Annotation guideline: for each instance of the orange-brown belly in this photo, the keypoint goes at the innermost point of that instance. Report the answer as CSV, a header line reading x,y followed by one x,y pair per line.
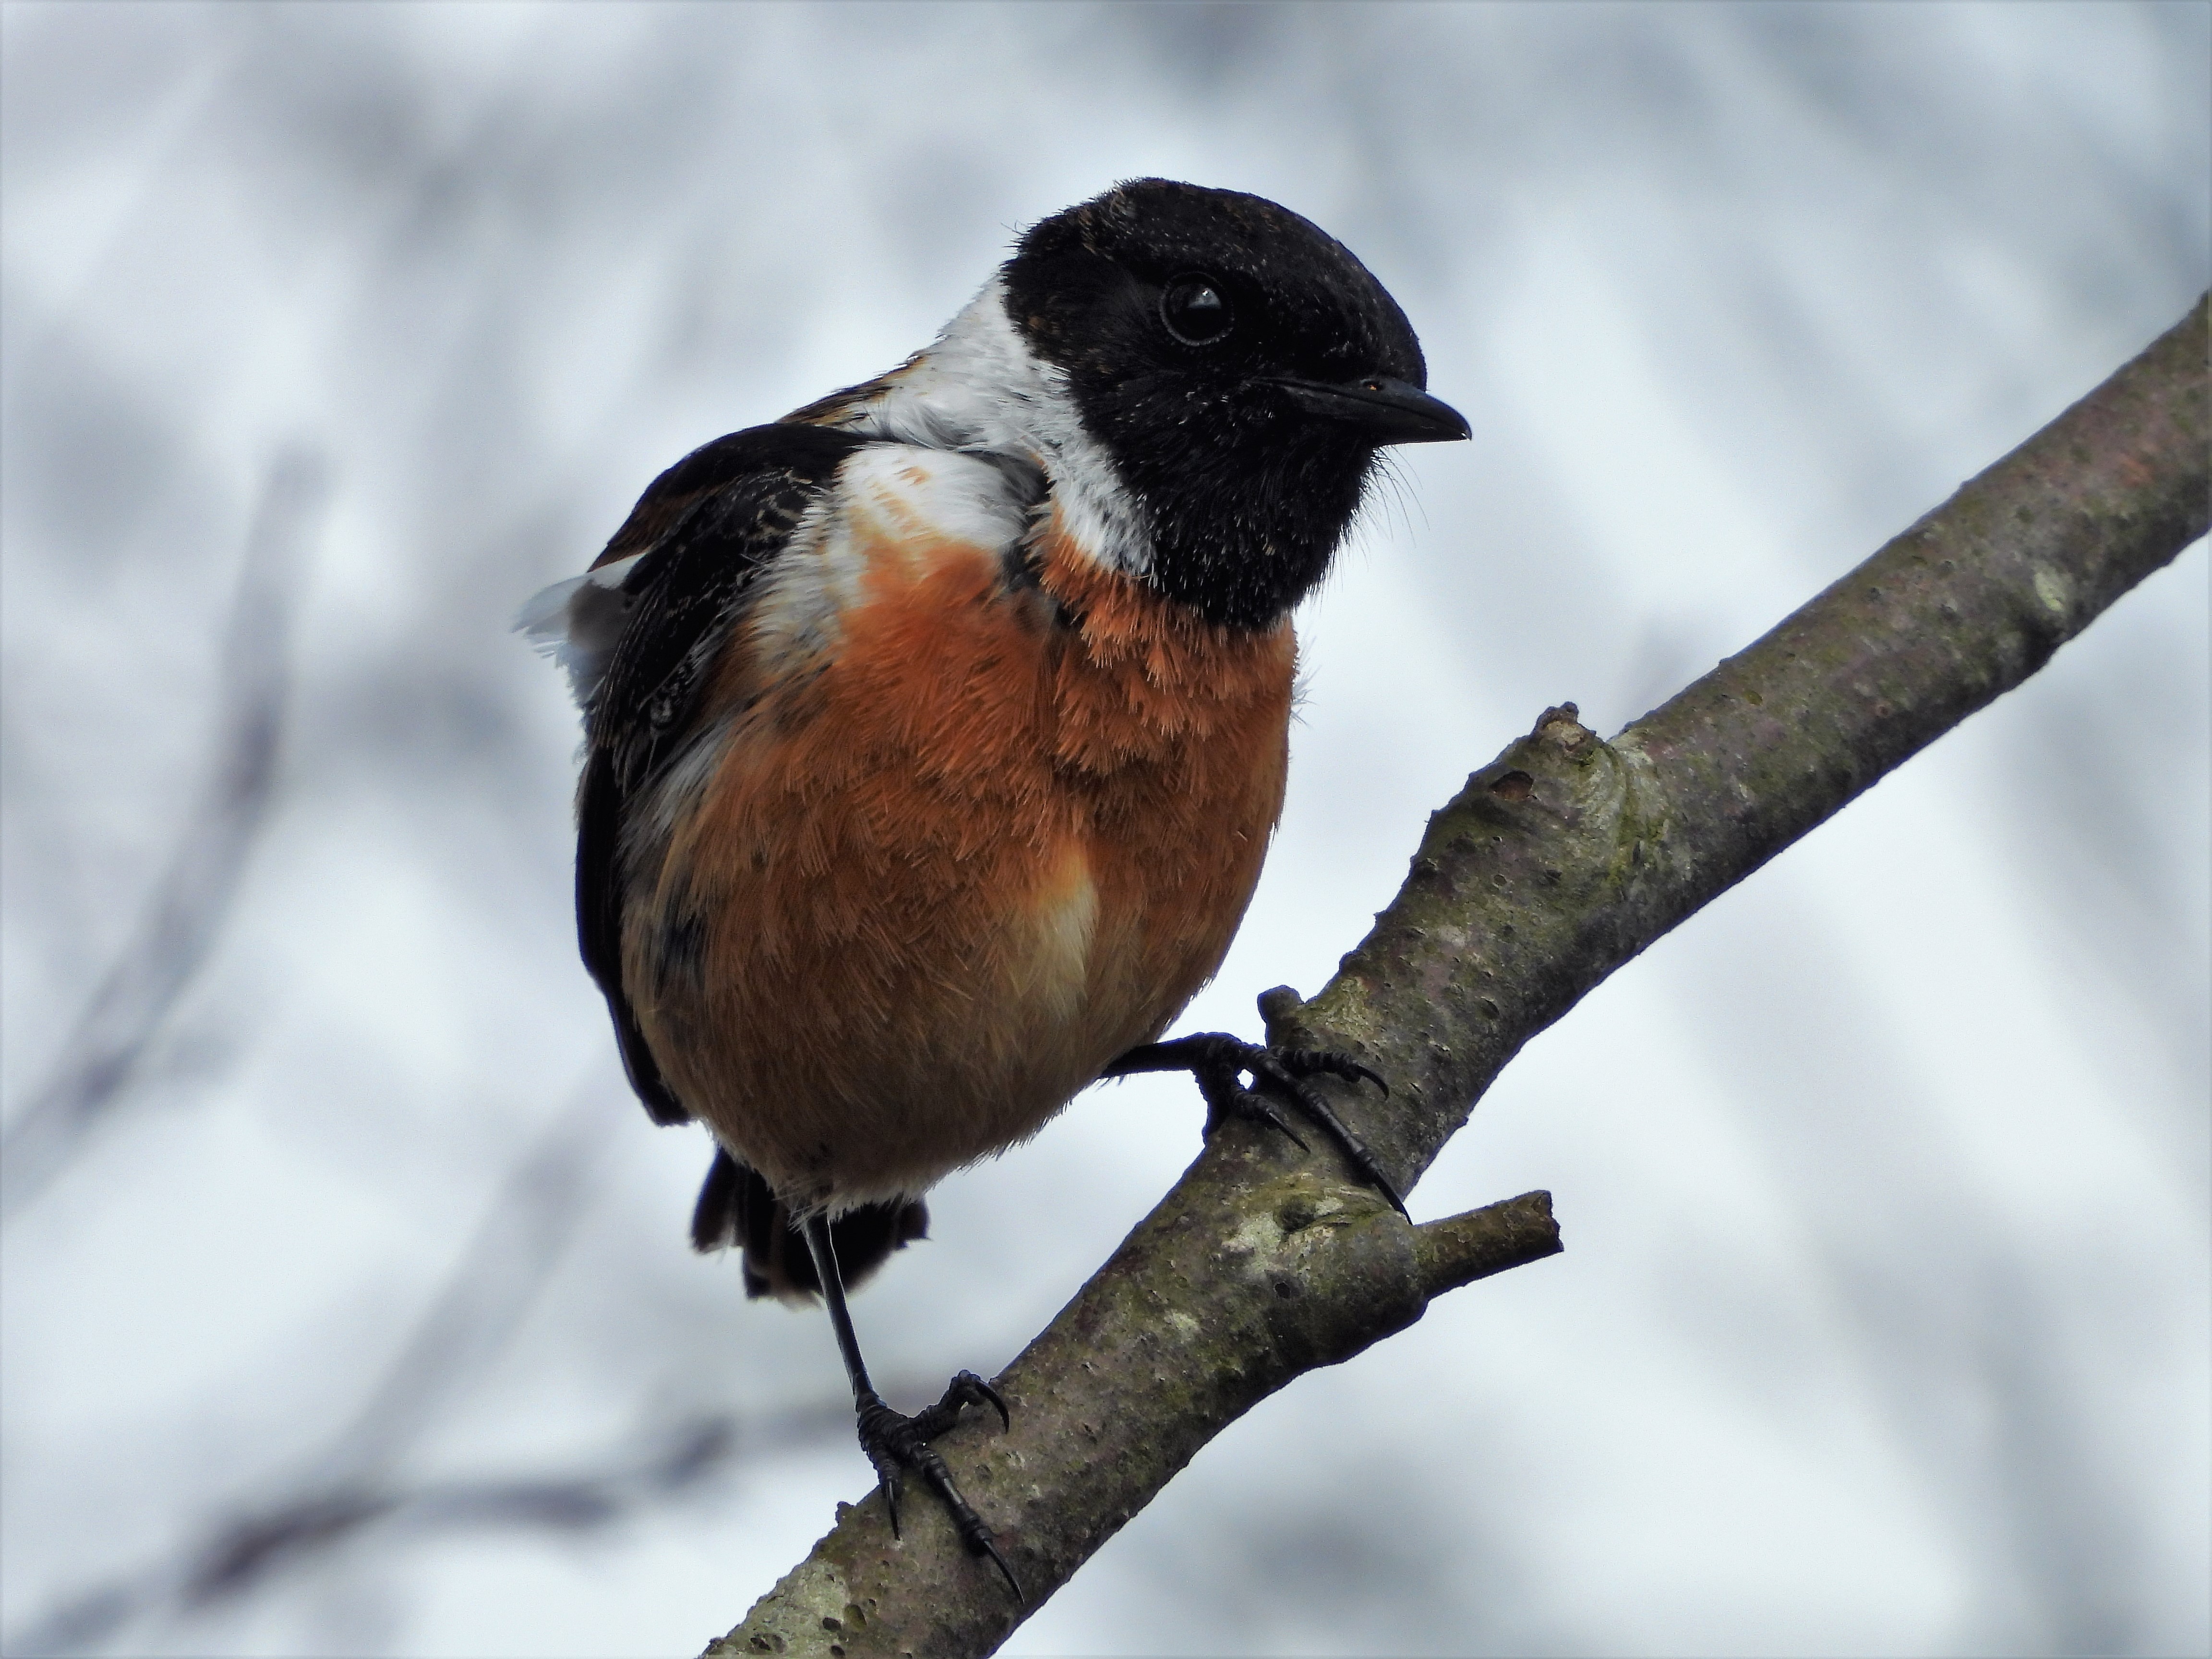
x,y
933,884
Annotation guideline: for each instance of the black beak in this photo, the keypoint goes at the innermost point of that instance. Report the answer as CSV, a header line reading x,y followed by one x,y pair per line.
x,y
1386,411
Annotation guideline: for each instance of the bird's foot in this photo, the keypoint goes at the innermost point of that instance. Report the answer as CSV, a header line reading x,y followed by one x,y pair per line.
x,y
895,1443
1218,1060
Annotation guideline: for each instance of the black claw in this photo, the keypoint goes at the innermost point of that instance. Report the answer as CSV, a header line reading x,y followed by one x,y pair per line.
x,y
1262,1109
1353,1069
1305,1063
1355,1150
1215,1060
986,1395
894,1441
1230,1098
991,1549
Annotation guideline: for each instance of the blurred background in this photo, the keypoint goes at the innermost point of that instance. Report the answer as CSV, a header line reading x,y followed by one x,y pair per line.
x,y
347,1308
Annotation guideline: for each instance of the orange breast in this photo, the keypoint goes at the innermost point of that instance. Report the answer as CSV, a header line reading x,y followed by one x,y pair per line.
x,y
986,839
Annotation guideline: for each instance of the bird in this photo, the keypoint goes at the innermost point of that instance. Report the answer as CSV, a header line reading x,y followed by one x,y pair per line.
x,y
935,733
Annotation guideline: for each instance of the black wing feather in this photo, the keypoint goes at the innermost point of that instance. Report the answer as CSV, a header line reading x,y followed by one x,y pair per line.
x,y
707,526
599,931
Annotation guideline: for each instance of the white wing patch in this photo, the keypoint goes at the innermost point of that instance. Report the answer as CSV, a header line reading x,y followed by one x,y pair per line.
x,y
890,499
577,622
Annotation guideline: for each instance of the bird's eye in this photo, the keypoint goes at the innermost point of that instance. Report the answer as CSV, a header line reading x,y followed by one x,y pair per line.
x,y
1193,310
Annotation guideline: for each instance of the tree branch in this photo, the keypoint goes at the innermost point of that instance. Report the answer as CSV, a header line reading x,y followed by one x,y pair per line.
x,y
1557,863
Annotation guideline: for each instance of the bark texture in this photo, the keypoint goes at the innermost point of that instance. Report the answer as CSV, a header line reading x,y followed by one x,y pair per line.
x,y
1557,863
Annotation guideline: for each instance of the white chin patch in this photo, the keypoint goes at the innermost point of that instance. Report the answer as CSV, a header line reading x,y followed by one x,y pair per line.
x,y
577,623
981,388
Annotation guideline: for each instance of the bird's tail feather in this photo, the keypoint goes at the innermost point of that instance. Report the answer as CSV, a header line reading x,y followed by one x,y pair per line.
x,y
737,1207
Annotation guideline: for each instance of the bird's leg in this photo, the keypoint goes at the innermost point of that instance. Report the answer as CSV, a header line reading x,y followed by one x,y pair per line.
x,y
1216,1060
894,1442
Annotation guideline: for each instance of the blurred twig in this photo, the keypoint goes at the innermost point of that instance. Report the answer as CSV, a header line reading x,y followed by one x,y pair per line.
x,y
253,1552
500,1273
185,914
351,1483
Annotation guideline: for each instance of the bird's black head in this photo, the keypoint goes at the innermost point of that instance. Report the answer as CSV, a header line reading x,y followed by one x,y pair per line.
x,y
1239,367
